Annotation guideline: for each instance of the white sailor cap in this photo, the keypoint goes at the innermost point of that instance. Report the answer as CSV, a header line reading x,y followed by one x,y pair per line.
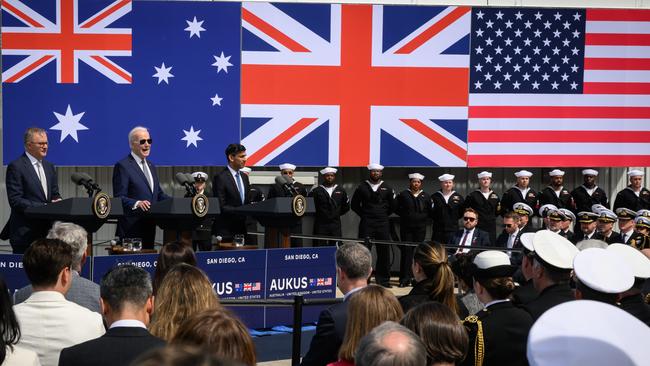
x,y
200,176
590,172
446,177
643,212
416,176
246,170
642,221
556,173
522,209
591,243
492,264
374,166
635,173
554,249
596,208
568,214
603,271
544,210
607,216
633,258
484,174
526,240
287,166
586,332
328,170
523,173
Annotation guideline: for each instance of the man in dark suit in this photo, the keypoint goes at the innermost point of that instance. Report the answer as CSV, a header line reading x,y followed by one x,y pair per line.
x,y
353,268
509,238
31,182
127,303
231,187
136,183
470,236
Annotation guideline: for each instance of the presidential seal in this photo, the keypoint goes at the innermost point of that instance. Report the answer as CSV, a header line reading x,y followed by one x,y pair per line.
x,y
299,205
101,205
200,205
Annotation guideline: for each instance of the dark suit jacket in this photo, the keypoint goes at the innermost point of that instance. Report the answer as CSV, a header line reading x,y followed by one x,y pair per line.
x,y
119,346
549,297
225,189
502,240
479,238
325,344
130,185
23,191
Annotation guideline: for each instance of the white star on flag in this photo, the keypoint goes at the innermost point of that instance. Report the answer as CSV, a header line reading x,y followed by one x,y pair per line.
x,y
222,62
192,137
69,124
163,73
194,27
216,100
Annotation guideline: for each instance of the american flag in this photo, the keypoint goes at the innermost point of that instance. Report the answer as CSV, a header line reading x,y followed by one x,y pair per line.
x,y
328,281
559,87
257,286
347,85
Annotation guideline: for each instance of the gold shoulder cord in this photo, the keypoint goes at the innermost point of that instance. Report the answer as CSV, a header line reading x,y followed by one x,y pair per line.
x,y
479,344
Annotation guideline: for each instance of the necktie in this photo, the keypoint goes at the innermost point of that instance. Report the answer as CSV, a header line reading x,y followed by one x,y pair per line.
x,y
240,187
41,177
147,174
462,242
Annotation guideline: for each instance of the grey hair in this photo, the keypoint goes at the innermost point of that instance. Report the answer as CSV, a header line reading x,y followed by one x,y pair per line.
x,y
30,132
373,350
134,130
73,235
354,259
125,284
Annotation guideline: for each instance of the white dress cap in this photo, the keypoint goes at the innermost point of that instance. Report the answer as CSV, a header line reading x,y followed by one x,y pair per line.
x,y
585,332
526,240
643,212
491,258
591,243
590,172
554,249
484,174
328,170
374,166
200,176
246,170
546,208
635,173
288,166
596,208
446,177
522,209
523,173
568,214
633,258
416,176
556,173
603,271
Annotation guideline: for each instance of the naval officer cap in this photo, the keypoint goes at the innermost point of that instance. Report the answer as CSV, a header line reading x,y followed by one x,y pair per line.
x,y
556,173
544,210
591,243
554,249
526,240
446,177
492,264
586,332
568,214
416,176
522,209
523,173
484,174
635,173
643,212
607,216
603,271
633,258
596,208
590,172
587,217
642,221
287,166
556,215
328,170
199,176
624,213
374,166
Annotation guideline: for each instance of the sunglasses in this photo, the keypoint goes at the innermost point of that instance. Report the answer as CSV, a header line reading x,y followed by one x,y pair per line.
x,y
470,219
508,225
149,141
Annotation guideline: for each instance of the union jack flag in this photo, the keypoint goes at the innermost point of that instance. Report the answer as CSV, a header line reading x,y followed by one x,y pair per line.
x,y
346,85
248,287
320,282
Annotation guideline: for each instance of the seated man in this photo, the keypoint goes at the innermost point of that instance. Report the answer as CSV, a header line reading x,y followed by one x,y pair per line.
x,y
48,322
391,344
127,302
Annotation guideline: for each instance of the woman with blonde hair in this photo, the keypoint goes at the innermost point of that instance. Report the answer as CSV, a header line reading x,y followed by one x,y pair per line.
x,y
435,279
368,308
184,291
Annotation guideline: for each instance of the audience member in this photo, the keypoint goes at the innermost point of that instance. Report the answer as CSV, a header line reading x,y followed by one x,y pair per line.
x,y
184,291
10,354
525,292
353,268
82,291
462,268
170,255
220,332
181,355
601,275
127,302
49,322
370,307
632,299
390,344
439,328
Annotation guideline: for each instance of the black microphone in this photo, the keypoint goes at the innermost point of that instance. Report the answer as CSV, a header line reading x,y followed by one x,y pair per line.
x,y
182,179
286,183
83,179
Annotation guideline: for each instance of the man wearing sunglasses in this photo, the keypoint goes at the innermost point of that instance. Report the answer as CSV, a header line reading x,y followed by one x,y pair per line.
x,y
470,235
135,182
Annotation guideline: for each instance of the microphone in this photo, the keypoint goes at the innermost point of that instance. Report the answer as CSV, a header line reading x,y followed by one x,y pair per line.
x,y
182,179
286,183
83,179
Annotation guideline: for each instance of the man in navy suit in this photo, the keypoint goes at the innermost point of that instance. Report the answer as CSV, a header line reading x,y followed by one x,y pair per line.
x,y
470,235
135,182
31,182
231,187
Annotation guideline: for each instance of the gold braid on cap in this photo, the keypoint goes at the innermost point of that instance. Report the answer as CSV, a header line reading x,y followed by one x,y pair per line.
x,y
479,344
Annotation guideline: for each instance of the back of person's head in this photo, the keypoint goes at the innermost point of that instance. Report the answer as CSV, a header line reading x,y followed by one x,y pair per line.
x,y
432,258
498,287
181,355
184,291
170,255
73,235
219,332
125,286
390,344
439,328
355,260
368,307
8,323
45,259
462,268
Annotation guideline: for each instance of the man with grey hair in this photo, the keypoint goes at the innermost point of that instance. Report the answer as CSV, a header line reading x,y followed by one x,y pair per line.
x,y
390,344
353,268
82,291
127,303
136,183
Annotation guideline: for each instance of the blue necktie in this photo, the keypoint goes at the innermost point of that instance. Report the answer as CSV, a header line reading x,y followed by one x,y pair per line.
x,y
240,186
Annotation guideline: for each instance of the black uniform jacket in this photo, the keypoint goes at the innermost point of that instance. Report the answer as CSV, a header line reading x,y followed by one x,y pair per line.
x,y
414,211
549,297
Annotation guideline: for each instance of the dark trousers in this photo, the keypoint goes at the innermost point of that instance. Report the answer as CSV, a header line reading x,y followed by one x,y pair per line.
x,y
327,229
378,230
491,228
413,234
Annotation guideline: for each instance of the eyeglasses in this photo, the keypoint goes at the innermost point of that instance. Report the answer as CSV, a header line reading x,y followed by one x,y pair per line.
x,y
470,219
149,141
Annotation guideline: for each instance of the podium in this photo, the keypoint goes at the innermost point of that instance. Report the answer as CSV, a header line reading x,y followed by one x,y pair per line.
x,y
277,217
177,218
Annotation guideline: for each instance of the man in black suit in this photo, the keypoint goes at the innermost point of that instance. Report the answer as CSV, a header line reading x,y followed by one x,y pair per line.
x,y
136,183
353,268
470,236
31,182
127,303
231,187
509,238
